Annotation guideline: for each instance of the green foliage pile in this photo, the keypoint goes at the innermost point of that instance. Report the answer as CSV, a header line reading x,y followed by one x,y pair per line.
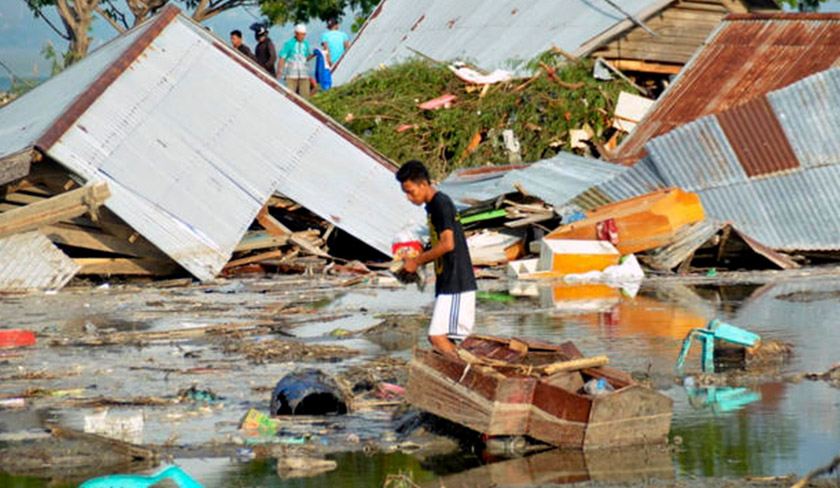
x,y
540,113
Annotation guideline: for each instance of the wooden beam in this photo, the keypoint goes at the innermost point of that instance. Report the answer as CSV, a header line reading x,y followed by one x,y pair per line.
x,y
52,210
72,235
126,266
253,241
276,228
272,225
255,259
646,67
15,166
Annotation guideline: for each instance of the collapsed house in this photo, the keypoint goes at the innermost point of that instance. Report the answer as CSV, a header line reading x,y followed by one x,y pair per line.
x,y
760,156
164,145
744,58
769,165
507,34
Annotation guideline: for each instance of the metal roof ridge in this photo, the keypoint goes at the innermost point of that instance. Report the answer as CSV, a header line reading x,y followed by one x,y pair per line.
x,y
84,100
793,16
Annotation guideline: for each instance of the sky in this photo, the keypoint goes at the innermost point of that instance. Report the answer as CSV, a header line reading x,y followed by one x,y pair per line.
x,y
22,36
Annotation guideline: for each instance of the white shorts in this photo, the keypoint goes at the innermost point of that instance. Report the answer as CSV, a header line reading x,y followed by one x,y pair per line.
x,y
454,315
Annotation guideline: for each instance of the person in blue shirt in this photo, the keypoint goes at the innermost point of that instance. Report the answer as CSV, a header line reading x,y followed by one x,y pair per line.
x,y
334,42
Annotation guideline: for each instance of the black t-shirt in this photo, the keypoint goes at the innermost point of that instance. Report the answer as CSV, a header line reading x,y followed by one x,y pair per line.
x,y
454,269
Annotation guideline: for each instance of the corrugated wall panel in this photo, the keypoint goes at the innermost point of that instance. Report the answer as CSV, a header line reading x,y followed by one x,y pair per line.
x,y
745,58
695,156
556,181
500,34
192,144
637,180
26,119
813,131
29,261
757,138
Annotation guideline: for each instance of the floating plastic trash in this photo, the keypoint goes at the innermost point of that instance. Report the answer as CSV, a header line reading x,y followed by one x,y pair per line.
x,y
173,473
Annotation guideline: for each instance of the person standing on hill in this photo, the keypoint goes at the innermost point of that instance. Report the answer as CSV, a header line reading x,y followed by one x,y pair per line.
x,y
454,313
265,53
334,42
236,42
293,57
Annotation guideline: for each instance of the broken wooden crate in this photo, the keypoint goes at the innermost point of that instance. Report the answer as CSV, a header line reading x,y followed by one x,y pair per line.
x,y
511,387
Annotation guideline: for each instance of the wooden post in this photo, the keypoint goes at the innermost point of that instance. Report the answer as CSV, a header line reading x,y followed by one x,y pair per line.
x,y
52,210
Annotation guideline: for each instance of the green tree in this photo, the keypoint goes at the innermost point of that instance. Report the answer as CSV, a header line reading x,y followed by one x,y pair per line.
x,y
293,11
76,16
805,5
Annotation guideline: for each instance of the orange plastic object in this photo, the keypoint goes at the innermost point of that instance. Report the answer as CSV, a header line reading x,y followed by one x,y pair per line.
x,y
567,256
16,338
642,223
439,102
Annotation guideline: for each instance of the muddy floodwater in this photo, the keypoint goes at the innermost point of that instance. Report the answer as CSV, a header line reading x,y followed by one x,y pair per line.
x,y
769,422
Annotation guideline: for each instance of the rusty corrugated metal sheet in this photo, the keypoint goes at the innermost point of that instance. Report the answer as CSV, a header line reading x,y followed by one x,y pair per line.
x,y
747,56
757,138
791,207
29,261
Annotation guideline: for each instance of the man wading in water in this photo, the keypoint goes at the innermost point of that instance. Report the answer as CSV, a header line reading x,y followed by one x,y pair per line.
x,y
454,314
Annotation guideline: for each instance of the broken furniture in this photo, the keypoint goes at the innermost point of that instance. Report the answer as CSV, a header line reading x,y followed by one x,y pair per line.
x,y
516,387
637,224
714,331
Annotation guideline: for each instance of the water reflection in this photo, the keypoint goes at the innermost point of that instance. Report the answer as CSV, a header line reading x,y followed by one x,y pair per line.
x,y
636,465
773,428
721,399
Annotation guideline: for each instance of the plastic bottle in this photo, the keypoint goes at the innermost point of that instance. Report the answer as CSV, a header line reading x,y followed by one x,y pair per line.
x,y
597,386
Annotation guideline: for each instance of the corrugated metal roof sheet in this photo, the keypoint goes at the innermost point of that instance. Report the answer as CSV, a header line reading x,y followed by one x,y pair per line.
x,y
29,261
791,206
193,139
556,181
499,34
747,56
27,118
639,179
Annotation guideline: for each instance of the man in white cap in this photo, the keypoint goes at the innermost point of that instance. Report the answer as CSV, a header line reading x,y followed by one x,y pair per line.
x,y
293,57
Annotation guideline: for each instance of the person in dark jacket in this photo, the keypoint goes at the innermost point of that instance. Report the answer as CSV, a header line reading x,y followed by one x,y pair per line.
x,y
265,53
236,41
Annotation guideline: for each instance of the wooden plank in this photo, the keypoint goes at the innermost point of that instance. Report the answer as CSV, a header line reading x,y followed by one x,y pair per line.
x,y
60,207
255,259
130,451
23,198
533,219
631,415
126,266
256,240
645,66
576,364
72,235
272,225
15,166
702,6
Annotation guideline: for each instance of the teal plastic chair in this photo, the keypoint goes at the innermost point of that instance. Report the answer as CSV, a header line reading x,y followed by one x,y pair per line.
x,y
174,473
715,329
